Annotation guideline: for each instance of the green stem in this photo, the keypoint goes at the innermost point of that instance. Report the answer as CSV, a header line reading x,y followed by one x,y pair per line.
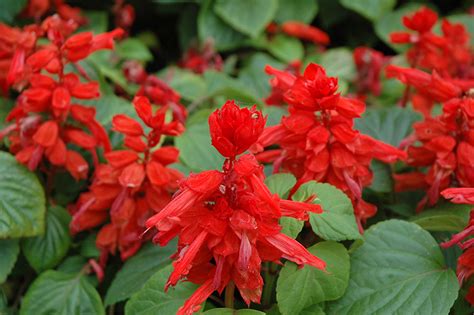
x,y
229,295
270,281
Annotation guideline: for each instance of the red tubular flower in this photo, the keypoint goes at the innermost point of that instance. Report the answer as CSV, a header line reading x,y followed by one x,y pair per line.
x,y
227,222
305,32
465,268
200,60
369,63
318,141
135,183
281,82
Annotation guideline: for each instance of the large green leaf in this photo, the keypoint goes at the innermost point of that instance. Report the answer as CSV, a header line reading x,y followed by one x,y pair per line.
x,y
133,49
371,9
299,288
230,311
9,9
339,62
313,310
444,217
220,84
210,26
22,201
296,10
398,270
392,22
59,293
46,251
151,299
337,222
137,270
196,150
286,48
246,16
391,125
9,250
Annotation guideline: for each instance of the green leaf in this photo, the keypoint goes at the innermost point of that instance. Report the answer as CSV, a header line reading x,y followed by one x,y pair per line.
x,y
382,181
107,106
230,311
55,292
46,251
313,310
286,48
9,250
390,125
188,84
196,150
220,84
339,62
274,113
280,184
444,217
6,105
254,78
152,299
296,10
88,246
137,270
337,222
398,270
299,288
291,226
247,16
9,9
210,26
370,9
22,201
392,22
134,49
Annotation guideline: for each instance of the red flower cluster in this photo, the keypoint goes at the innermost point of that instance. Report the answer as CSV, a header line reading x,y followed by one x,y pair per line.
x,y
369,63
445,146
155,89
227,222
449,55
134,184
281,82
200,60
317,140
124,15
465,268
45,117
38,8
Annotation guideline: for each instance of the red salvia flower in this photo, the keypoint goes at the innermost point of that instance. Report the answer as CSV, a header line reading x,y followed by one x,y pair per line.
x,y
227,222
124,15
465,267
317,140
369,64
281,82
134,184
200,60
306,32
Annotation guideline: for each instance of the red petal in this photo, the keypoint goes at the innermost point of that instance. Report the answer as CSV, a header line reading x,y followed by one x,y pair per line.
x,y
61,98
47,134
157,173
126,125
76,165
143,108
86,91
57,153
166,155
121,158
132,176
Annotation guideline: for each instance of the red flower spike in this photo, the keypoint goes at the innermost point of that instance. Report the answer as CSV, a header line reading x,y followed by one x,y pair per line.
x,y
227,222
234,130
306,32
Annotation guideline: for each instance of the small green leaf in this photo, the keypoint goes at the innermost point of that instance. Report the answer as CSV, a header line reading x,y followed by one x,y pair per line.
x,y
286,48
444,217
371,9
339,62
291,226
230,311
390,125
137,270
22,201
46,251
246,16
398,270
296,10
55,292
9,250
196,150
337,222
151,299
9,9
210,26
299,288
133,49
280,184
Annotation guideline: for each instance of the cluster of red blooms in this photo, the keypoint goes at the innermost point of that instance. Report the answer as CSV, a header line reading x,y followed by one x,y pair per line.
x,y
155,89
200,60
38,8
465,268
449,56
45,117
369,63
124,15
317,139
443,144
227,222
134,184
300,30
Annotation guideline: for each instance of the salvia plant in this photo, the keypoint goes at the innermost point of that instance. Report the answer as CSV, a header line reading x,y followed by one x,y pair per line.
x,y
236,157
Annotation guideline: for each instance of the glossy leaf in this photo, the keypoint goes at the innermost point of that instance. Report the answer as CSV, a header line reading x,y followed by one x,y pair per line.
x,y
296,10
